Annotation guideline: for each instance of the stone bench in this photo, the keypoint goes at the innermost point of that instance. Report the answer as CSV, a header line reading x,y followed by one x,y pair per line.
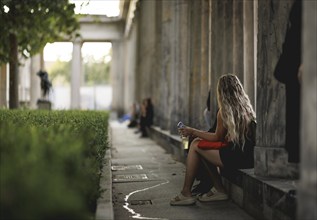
x,y
263,198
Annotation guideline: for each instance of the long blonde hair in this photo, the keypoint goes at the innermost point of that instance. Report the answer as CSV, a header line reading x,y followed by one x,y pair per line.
x,y
235,108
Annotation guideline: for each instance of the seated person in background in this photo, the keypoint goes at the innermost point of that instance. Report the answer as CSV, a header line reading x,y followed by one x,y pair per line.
x,y
147,114
124,118
224,148
135,112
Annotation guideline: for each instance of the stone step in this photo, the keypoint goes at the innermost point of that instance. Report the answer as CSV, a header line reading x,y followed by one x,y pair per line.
x,y
263,198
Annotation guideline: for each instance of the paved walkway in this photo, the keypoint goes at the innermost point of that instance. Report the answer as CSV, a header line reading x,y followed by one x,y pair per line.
x,y
145,178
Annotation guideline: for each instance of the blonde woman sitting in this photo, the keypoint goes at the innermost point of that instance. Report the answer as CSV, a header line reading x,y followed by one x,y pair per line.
x,y
230,146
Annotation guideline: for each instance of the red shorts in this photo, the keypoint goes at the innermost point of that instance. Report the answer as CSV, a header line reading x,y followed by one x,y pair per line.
x,y
211,144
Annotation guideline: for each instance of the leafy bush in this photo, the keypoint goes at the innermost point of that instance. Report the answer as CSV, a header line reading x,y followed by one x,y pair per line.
x,y
50,163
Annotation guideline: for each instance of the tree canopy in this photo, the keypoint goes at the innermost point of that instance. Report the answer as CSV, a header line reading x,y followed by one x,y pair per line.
x,y
26,26
34,23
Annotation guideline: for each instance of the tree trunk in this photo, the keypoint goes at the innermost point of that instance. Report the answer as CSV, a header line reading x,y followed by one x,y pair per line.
x,y
14,73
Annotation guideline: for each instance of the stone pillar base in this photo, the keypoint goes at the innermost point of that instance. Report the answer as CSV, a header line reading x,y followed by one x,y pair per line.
x,y
273,162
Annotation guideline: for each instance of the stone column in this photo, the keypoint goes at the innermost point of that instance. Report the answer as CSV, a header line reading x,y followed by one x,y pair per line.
x,y
182,60
238,46
219,39
148,17
248,52
175,83
204,79
217,62
117,78
210,44
3,86
227,42
195,64
157,66
76,75
35,84
307,193
271,158
166,68
129,69
147,44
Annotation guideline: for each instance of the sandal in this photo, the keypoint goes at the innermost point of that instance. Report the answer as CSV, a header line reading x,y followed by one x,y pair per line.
x,y
213,195
180,200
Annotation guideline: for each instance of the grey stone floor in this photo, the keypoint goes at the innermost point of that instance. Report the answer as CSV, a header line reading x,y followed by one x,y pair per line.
x,y
145,178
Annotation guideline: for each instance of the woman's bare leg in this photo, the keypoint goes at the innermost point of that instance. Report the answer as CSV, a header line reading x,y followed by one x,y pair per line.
x,y
213,157
214,175
193,160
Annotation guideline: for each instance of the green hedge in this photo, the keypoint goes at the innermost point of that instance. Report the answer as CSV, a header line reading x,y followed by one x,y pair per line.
x,y
50,163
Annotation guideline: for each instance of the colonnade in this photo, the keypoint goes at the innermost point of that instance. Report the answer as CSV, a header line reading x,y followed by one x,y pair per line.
x,y
182,47
30,83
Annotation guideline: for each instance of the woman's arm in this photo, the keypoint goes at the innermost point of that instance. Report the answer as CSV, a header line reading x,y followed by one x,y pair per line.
x,y
218,135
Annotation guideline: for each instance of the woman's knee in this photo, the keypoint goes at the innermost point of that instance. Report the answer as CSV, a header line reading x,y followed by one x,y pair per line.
x,y
213,156
194,144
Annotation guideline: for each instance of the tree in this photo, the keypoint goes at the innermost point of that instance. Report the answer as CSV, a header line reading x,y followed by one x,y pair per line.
x,y
26,26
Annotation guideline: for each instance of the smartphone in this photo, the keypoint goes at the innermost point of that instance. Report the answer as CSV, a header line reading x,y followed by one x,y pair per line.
x,y
180,124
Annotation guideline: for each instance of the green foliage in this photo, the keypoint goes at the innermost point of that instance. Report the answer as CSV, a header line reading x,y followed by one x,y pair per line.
x,y
35,23
50,163
60,71
97,72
